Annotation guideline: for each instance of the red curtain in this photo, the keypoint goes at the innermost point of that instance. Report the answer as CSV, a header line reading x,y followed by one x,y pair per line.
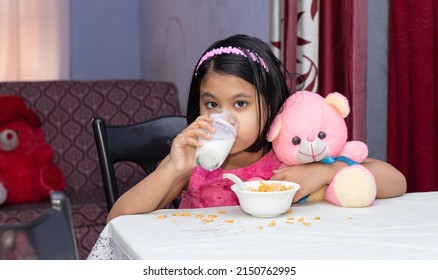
x,y
342,57
413,92
290,35
342,53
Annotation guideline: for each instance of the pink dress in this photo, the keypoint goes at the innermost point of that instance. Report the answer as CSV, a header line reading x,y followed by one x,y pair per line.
x,y
209,189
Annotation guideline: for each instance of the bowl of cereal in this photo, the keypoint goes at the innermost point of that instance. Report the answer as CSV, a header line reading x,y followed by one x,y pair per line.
x,y
266,198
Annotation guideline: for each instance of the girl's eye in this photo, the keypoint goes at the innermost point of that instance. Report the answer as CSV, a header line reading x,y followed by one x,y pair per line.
x,y
240,104
211,105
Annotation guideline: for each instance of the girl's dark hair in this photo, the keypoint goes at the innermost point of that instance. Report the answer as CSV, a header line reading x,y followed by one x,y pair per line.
x,y
271,87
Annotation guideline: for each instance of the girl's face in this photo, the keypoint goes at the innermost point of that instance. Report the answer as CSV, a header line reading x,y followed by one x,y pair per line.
x,y
236,95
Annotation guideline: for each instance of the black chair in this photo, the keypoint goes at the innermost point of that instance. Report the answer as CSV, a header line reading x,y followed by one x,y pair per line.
x,y
145,144
47,237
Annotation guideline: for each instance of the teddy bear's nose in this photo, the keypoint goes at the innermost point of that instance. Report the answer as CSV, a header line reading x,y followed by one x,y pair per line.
x,y
310,138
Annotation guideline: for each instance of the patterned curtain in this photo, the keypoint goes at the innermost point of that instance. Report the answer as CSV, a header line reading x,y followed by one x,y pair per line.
x,y
34,38
308,42
330,51
289,35
413,92
276,27
342,57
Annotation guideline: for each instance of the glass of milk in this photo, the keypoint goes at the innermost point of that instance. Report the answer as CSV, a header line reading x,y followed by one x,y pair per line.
x,y
214,151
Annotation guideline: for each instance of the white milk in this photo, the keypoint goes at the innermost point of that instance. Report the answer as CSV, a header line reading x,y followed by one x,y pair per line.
x,y
213,153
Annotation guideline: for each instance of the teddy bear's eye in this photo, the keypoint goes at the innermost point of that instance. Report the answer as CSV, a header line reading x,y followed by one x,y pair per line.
x,y
322,135
296,140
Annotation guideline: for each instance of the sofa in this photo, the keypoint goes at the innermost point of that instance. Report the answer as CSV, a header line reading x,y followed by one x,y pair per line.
x,y
66,109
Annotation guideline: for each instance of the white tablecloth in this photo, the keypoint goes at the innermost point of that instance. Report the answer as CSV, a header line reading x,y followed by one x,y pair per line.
x,y
399,228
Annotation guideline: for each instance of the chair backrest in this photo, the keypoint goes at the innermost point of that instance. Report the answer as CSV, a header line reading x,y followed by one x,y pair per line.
x,y
48,237
144,143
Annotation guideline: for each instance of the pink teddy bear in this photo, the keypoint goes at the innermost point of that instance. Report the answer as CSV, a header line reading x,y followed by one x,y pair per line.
x,y
311,128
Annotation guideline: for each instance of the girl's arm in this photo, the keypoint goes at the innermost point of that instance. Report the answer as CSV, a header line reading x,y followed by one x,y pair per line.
x,y
390,182
163,185
155,191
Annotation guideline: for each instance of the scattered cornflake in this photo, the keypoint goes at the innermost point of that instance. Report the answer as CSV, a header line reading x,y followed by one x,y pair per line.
x,y
350,218
179,214
289,222
229,221
290,218
205,221
260,227
162,217
272,224
301,220
289,211
316,218
173,221
222,212
199,216
210,218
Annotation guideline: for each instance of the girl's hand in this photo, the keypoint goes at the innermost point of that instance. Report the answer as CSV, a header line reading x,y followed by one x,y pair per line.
x,y
311,177
182,152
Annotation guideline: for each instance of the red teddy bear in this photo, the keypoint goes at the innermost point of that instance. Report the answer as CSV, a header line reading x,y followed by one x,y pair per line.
x,y
27,172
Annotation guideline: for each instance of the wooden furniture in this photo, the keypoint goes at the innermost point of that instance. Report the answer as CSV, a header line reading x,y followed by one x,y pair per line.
x,y
145,144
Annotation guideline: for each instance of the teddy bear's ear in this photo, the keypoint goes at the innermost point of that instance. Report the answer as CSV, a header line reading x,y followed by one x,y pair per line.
x,y
275,129
13,108
339,102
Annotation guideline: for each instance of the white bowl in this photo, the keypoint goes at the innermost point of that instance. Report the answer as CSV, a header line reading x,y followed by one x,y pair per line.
x,y
265,204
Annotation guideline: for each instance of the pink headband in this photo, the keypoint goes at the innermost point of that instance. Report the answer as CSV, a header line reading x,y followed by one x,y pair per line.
x,y
232,50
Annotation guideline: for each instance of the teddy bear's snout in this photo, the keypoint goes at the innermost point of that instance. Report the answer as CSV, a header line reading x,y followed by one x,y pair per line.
x,y
8,140
312,149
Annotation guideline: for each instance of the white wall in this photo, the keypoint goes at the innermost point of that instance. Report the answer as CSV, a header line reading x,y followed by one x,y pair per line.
x,y
104,39
175,33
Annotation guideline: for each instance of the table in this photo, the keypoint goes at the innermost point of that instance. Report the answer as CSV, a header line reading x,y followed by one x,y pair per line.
x,y
398,228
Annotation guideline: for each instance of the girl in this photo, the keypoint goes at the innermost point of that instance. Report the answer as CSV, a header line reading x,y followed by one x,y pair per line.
x,y
239,74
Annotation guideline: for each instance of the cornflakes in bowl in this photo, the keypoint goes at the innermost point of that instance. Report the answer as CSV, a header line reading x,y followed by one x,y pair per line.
x,y
266,198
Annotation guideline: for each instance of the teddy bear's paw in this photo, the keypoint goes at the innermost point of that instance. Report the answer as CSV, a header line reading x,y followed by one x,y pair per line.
x,y
51,178
353,186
